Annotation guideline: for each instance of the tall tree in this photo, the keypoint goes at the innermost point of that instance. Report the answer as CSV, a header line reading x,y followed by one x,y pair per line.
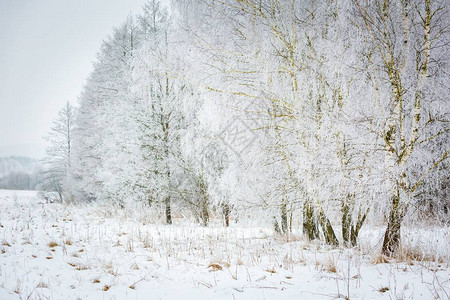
x,y
405,42
58,156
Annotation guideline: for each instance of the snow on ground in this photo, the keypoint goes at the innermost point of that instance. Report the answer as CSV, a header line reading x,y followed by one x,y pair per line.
x,y
57,251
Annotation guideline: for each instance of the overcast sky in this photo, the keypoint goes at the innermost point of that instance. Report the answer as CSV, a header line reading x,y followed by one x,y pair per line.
x,y
46,51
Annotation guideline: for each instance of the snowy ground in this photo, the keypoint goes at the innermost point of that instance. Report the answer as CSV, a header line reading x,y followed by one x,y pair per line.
x,y
54,251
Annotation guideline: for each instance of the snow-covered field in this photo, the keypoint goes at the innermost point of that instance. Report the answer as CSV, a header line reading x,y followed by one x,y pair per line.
x,y
57,251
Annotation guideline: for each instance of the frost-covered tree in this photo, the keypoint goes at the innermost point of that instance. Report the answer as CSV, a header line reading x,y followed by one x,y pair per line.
x,y
159,93
58,158
406,41
103,134
285,108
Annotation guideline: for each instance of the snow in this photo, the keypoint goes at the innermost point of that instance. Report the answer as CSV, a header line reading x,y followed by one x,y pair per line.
x,y
63,251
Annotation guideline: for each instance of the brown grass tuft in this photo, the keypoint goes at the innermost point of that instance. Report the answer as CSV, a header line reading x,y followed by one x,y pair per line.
x,y
214,267
53,244
331,268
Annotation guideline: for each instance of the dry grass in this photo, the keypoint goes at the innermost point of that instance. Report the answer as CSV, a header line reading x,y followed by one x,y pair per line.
x,y
42,285
146,243
53,244
330,267
411,255
214,267
82,267
379,259
112,272
18,288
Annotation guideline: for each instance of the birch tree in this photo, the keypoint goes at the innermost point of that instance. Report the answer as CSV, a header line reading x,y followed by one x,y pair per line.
x,y
406,39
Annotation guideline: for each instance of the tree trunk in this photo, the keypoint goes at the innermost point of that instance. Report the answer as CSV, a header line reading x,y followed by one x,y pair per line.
x,y
327,228
355,229
204,201
204,213
276,226
310,228
391,240
291,220
168,211
226,213
284,217
347,228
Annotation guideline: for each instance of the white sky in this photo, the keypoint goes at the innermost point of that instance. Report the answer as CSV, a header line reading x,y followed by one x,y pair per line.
x,y
46,51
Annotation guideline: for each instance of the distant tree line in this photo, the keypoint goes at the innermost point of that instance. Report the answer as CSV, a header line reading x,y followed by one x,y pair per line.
x,y
19,173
